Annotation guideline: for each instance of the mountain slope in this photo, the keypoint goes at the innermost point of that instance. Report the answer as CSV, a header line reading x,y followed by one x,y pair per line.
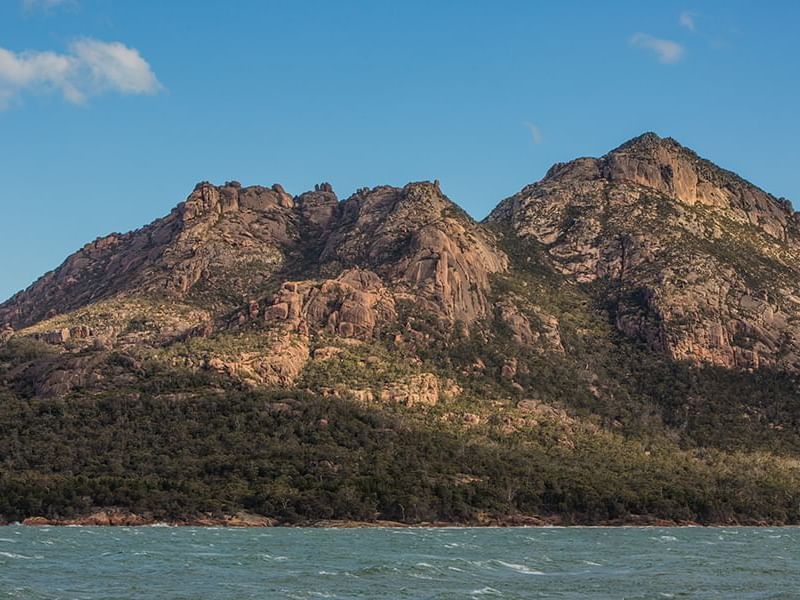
x,y
618,342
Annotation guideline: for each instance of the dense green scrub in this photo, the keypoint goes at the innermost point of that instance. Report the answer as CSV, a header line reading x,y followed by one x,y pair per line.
x,y
298,457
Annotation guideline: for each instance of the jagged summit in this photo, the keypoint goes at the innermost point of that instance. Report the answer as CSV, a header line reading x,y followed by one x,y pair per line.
x,y
657,148
646,138
226,244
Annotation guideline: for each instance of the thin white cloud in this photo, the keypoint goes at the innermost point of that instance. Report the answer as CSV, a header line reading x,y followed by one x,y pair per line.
x,y
667,51
114,66
44,4
536,134
90,67
688,20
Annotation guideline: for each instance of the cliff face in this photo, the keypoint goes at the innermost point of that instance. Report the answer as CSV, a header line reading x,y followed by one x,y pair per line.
x,y
696,262
421,244
675,171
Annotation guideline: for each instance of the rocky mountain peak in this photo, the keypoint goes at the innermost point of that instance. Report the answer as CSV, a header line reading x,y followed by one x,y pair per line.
x,y
215,235
667,167
208,199
226,244
693,255
649,141
415,237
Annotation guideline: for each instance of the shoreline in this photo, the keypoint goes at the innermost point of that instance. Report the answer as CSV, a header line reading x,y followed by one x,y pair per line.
x,y
116,518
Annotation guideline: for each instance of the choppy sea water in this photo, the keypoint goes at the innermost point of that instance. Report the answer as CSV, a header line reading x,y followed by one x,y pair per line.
x,y
219,563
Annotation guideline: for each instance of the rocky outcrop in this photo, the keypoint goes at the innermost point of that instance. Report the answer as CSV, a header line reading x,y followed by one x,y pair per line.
x,y
663,165
543,335
424,389
208,268
319,209
277,364
420,390
122,323
355,304
61,336
59,373
706,313
124,518
666,166
225,244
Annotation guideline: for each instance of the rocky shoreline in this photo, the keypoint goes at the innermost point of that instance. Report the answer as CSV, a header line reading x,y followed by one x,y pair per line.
x,y
117,518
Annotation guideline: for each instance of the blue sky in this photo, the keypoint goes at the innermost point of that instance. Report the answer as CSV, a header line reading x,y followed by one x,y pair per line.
x,y
110,111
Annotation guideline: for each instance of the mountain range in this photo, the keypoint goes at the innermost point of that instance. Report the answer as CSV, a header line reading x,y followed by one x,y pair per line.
x,y
618,342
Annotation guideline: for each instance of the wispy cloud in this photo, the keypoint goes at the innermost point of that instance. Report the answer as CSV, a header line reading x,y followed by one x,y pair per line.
x,y
89,68
44,4
667,51
536,134
688,20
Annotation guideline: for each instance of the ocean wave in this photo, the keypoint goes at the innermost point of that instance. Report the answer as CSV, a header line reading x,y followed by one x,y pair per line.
x,y
487,591
270,557
20,556
525,570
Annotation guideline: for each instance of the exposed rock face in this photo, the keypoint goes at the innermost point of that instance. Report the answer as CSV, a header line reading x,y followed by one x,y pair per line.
x,y
225,244
213,264
423,389
352,305
666,166
543,335
700,264
59,374
319,208
419,241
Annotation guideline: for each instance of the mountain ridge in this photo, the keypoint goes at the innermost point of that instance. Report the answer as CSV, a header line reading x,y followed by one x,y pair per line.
x,y
313,203
273,214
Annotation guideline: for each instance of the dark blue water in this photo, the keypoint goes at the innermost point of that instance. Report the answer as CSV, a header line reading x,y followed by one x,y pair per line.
x,y
161,562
